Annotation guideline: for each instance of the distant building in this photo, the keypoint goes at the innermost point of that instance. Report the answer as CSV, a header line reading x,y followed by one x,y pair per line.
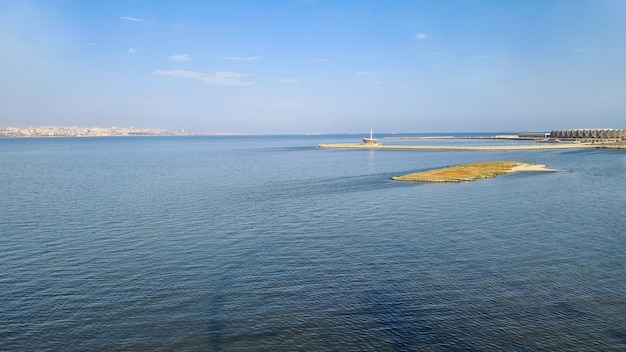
x,y
597,134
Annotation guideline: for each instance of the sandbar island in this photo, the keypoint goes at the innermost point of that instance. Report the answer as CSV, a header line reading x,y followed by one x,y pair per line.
x,y
472,171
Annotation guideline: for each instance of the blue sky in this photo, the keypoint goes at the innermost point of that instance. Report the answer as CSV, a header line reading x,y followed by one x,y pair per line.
x,y
314,66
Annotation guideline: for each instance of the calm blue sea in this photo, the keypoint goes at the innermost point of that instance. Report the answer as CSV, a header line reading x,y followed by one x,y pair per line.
x,y
267,243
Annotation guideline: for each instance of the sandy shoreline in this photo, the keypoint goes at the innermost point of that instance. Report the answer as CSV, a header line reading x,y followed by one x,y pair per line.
x,y
531,167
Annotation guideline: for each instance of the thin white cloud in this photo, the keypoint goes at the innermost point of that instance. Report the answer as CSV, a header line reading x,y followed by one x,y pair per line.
x,y
131,19
179,73
224,78
421,35
239,58
131,51
219,78
288,80
365,73
319,60
180,57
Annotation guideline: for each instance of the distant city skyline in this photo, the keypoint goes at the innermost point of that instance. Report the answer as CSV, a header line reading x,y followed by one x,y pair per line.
x,y
76,131
314,66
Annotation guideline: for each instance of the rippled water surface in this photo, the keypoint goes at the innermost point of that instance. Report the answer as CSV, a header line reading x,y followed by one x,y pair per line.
x,y
268,243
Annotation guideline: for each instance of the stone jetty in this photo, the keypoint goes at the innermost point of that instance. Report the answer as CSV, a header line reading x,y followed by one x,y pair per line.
x,y
537,146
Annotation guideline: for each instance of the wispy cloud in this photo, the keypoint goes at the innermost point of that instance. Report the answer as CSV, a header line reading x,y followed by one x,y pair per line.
x,y
365,73
131,51
319,60
131,19
288,80
239,58
421,36
180,57
179,73
219,78
134,19
224,78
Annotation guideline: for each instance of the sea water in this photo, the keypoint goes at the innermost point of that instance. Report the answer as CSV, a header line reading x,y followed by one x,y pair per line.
x,y
269,243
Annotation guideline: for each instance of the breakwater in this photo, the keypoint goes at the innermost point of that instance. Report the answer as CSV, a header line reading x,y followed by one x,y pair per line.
x,y
456,147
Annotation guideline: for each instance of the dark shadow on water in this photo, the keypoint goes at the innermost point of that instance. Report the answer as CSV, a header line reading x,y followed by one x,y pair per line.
x,y
320,187
215,325
575,314
339,185
408,330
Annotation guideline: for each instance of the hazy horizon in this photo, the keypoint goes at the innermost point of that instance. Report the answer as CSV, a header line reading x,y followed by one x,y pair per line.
x,y
350,132
314,66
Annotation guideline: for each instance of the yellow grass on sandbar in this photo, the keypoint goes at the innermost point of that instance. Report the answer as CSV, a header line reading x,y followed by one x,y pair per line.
x,y
471,171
